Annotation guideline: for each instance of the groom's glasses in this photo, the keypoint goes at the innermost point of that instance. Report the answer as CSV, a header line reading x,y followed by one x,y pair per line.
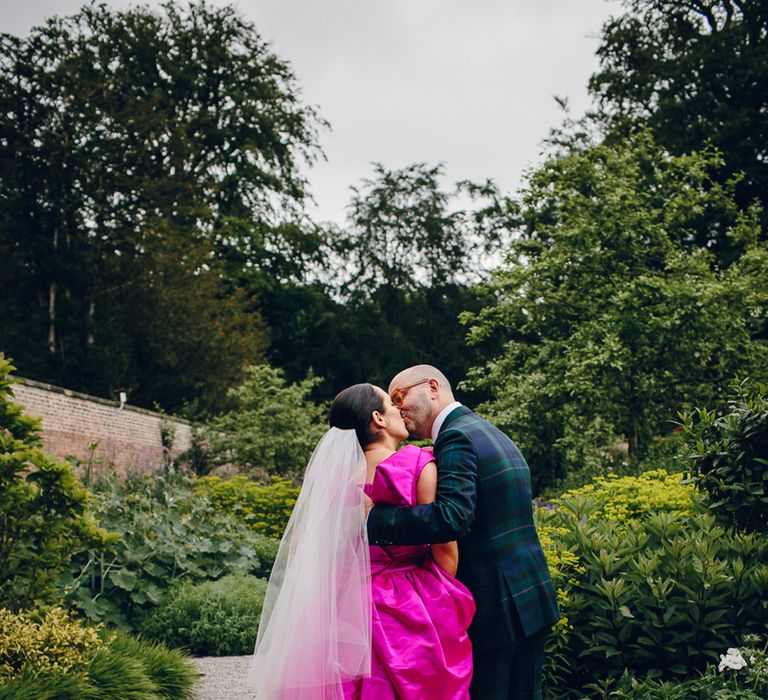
x,y
398,394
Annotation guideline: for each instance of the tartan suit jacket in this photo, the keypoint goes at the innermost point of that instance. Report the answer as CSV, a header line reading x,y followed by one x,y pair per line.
x,y
483,501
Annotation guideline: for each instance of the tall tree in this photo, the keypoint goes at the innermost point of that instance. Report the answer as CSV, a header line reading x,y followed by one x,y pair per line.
x,y
696,72
406,231
610,321
408,264
132,144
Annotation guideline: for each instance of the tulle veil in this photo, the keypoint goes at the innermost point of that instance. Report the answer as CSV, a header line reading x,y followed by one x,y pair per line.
x,y
315,629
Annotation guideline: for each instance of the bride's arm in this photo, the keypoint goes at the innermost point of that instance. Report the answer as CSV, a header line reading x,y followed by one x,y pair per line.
x,y
447,554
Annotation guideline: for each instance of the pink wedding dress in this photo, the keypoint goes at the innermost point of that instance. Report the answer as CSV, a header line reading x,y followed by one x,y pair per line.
x,y
420,648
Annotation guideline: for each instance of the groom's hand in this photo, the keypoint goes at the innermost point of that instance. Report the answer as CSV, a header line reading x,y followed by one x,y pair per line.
x,y
368,503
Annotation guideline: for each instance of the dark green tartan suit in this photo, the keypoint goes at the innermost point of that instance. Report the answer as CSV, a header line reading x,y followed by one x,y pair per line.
x,y
484,502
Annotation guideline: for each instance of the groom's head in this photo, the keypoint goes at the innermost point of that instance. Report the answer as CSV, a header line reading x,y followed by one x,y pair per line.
x,y
420,392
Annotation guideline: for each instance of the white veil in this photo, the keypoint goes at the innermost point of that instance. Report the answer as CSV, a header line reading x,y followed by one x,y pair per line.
x,y
315,629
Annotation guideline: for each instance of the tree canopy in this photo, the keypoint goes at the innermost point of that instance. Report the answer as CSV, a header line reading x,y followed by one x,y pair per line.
x,y
696,73
273,427
610,320
406,265
153,220
140,150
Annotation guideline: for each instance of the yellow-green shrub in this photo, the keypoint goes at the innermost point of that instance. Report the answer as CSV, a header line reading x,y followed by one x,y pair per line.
x,y
265,508
564,567
609,499
52,642
625,498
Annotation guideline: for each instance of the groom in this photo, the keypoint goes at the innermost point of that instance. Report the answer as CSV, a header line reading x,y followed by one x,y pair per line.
x,y
484,501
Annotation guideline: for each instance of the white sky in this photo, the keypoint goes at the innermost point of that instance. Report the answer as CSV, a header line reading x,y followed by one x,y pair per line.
x,y
470,83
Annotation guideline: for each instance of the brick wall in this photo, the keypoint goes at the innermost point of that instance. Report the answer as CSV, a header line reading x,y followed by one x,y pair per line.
x,y
128,438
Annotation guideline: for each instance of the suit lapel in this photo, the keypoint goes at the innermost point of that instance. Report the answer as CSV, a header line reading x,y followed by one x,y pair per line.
x,y
450,418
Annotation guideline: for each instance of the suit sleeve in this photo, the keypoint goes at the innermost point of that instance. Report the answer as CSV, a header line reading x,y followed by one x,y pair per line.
x,y
453,511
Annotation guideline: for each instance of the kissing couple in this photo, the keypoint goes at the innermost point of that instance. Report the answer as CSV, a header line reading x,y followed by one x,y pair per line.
x,y
407,572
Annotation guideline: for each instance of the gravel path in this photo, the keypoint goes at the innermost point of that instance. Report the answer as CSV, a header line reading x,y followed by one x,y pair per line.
x,y
223,678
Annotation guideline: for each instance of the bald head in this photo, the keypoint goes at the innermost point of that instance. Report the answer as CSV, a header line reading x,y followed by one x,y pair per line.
x,y
417,373
424,391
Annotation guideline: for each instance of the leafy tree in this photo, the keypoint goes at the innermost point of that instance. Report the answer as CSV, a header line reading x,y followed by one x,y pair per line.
x,y
371,339
408,261
44,513
696,72
393,283
274,427
611,321
139,148
406,232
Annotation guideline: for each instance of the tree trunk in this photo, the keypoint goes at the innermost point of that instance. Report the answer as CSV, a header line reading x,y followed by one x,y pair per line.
x,y
91,339
52,302
632,438
52,318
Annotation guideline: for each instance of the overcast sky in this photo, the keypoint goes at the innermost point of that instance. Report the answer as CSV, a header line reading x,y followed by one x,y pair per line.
x,y
470,83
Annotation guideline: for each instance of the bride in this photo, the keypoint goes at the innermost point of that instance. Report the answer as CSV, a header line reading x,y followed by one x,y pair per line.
x,y
343,620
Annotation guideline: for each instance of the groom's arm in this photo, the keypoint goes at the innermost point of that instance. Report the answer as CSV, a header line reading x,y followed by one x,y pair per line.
x,y
453,511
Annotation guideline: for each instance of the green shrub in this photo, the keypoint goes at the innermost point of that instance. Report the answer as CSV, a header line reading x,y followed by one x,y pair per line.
x,y
729,453
52,656
44,514
266,551
216,618
717,682
134,669
265,508
114,675
619,500
721,679
166,534
51,642
623,498
274,428
660,595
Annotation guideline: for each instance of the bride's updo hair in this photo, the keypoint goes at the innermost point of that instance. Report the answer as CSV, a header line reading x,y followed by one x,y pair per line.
x,y
352,409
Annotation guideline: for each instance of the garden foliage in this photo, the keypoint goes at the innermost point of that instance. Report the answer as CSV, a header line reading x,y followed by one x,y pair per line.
x,y
213,618
274,427
52,655
729,455
265,508
718,682
656,594
623,498
51,642
165,534
607,318
44,510
168,670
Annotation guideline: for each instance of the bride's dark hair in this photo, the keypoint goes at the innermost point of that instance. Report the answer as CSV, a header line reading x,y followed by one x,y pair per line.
x,y
352,409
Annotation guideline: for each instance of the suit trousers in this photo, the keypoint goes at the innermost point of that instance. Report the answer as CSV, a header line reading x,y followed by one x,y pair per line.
x,y
511,672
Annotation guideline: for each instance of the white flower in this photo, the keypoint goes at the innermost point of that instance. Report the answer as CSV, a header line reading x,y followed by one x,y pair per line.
x,y
732,659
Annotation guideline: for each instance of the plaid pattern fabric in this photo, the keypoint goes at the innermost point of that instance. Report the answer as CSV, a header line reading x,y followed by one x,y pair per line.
x,y
510,672
484,501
